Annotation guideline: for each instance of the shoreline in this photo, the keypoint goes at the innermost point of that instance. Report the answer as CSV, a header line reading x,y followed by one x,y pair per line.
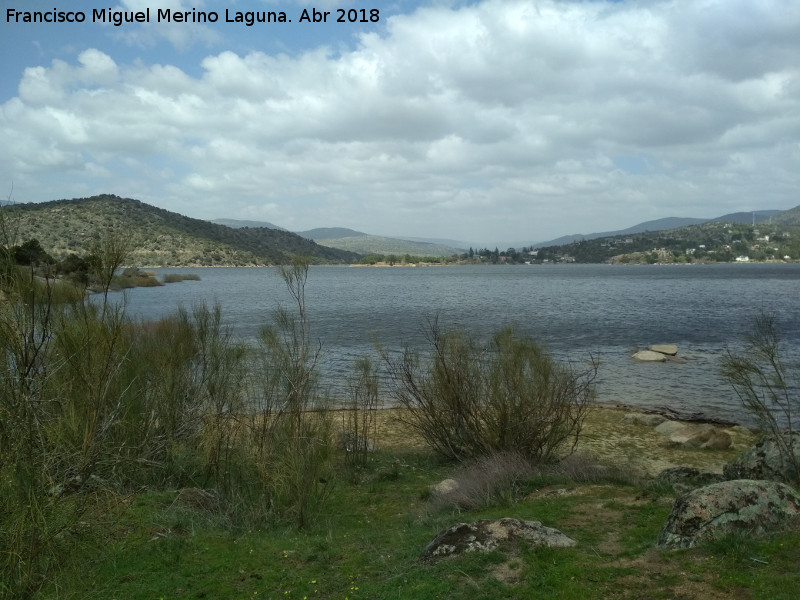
x,y
417,265
604,434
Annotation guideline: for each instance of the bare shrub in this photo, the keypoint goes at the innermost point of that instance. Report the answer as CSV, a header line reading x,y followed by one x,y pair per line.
x,y
469,401
359,427
585,467
490,480
291,431
768,386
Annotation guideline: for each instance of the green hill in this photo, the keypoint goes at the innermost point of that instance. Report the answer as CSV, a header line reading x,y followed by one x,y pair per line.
x,y
158,237
788,218
707,242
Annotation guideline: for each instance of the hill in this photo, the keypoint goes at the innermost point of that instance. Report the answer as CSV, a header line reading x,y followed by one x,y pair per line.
x,y
376,244
712,241
158,237
666,224
329,233
788,218
238,224
364,243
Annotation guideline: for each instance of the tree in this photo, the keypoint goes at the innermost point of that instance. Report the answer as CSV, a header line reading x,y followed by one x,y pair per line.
x,y
31,253
106,255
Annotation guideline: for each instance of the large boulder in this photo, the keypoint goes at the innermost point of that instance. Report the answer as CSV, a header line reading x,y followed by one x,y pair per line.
x,y
753,507
668,349
768,459
486,535
695,435
649,356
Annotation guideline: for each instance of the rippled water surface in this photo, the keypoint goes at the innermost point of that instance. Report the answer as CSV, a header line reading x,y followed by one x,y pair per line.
x,y
578,311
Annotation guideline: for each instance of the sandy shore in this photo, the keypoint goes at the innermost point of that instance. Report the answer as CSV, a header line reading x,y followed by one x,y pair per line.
x,y
607,436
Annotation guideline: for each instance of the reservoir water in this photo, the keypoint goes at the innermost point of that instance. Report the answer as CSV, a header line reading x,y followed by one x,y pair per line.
x,y
580,312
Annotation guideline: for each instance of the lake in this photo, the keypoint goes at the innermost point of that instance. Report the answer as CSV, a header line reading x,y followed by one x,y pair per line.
x,y
579,312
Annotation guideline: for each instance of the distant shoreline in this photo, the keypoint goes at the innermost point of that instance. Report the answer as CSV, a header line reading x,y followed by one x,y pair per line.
x,y
386,265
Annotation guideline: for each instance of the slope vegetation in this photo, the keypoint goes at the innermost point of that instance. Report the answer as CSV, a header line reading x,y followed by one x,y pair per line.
x,y
157,237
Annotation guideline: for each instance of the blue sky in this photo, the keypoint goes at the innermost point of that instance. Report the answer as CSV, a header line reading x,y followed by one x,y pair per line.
x,y
491,122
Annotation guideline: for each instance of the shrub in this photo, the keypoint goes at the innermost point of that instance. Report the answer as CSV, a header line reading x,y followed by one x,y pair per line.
x,y
469,401
291,432
359,420
496,479
768,386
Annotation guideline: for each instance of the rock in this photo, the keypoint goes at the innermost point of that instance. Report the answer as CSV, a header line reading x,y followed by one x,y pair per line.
x,y
648,420
649,356
444,487
693,435
668,427
701,436
765,461
717,440
485,535
753,507
685,479
668,349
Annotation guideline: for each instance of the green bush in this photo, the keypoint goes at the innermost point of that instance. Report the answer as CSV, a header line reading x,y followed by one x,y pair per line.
x,y
509,396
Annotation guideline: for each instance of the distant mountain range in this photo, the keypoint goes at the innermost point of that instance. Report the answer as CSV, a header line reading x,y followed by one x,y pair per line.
x,y
157,237
351,240
666,224
364,243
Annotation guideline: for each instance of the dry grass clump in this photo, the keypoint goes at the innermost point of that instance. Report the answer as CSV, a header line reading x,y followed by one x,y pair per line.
x,y
487,481
586,467
500,479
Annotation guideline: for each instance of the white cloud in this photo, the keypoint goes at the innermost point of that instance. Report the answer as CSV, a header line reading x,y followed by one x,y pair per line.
x,y
500,120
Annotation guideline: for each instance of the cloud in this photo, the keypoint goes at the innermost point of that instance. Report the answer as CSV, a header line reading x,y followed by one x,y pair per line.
x,y
500,120
181,35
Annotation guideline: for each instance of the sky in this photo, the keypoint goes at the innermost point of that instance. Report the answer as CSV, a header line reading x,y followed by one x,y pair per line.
x,y
488,122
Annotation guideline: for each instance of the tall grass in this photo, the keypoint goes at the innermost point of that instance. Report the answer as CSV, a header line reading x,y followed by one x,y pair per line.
x,y
94,403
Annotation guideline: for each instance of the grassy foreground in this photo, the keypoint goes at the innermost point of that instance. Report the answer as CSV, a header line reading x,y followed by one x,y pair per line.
x,y
378,519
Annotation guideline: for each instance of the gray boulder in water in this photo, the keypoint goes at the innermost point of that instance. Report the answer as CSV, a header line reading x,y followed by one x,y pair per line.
x,y
649,356
668,349
752,507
